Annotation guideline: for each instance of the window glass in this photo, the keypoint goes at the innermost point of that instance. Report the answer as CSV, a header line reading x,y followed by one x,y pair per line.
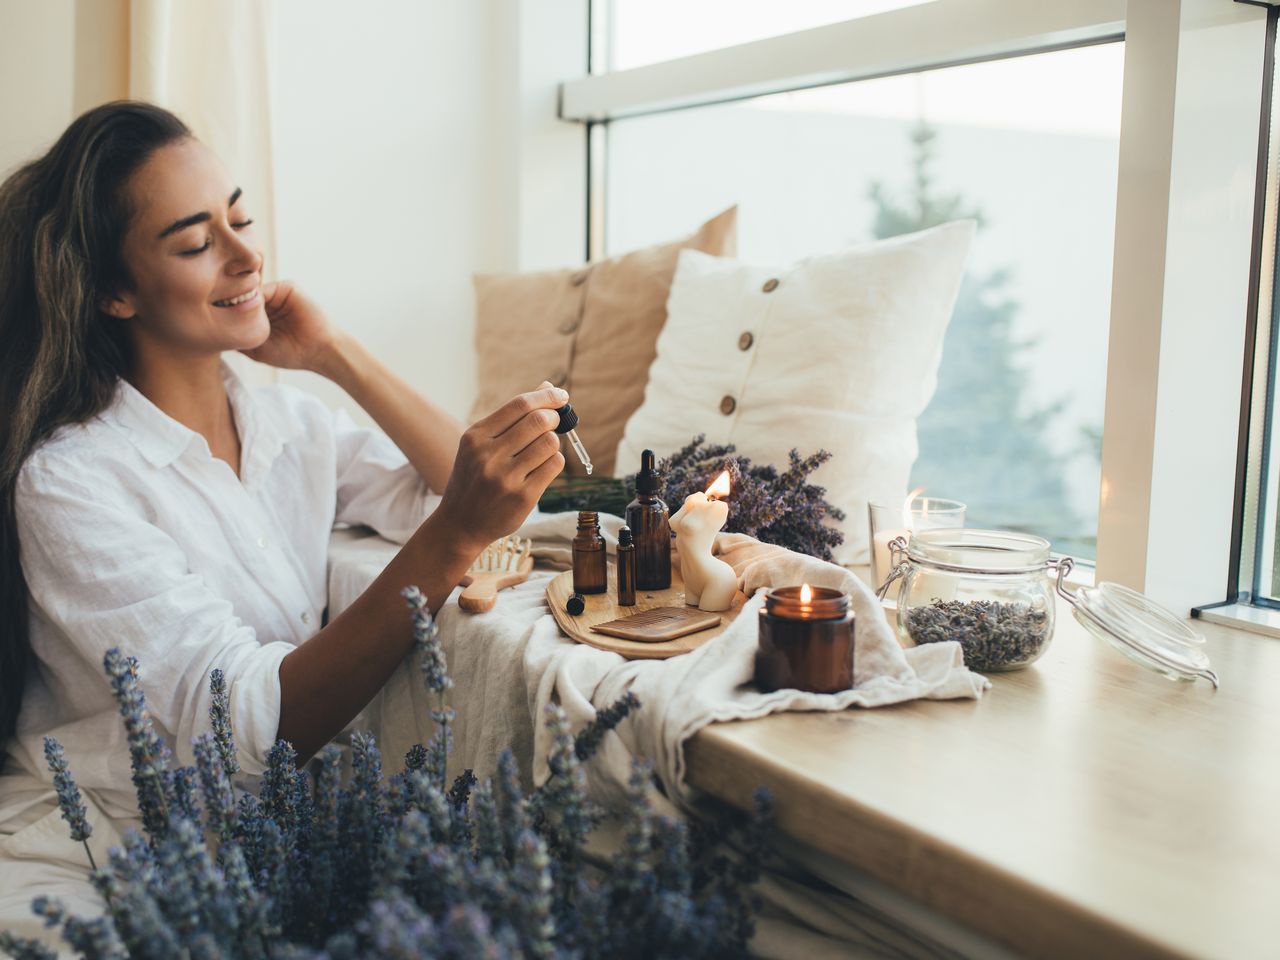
x,y
648,31
1029,146
1262,505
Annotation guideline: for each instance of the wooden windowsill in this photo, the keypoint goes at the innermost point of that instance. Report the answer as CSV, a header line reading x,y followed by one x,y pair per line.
x,y
1086,807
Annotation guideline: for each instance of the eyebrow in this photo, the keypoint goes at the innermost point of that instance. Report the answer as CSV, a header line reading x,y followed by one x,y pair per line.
x,y
195,218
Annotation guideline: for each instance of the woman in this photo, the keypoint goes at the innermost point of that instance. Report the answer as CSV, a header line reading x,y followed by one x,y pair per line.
x,y
153,502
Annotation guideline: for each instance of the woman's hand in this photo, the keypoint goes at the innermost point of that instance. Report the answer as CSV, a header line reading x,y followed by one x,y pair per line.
x,y
301,335
504,464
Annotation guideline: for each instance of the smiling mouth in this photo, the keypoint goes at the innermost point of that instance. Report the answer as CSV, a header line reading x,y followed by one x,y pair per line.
x,y
234,301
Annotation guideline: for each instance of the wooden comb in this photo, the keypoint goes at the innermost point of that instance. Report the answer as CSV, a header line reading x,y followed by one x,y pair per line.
x,y
658,624
503,563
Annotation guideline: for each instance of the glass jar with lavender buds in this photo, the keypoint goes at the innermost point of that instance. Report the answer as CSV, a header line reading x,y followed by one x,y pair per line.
x,y
986,589
993,592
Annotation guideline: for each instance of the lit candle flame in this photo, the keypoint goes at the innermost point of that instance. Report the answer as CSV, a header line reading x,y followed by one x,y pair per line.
x,y
720,486
906,508
806,593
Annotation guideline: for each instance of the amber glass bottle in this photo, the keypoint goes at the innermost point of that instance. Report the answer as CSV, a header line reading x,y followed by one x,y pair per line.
x,y
647,516
626,568
590,566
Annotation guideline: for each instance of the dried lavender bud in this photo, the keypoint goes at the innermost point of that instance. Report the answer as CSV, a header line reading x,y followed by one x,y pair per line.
x,y
220,721
993,635
588,740
69,800
426,634
25,948
149,755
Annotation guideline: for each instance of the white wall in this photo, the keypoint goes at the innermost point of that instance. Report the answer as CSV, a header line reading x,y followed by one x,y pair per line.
x,y
403,133
414,144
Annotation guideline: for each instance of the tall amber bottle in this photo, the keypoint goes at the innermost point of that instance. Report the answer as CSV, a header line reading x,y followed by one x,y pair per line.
x,y
647,516
590,565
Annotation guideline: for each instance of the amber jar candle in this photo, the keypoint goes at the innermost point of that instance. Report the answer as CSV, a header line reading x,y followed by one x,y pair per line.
x,y
590,566
806,641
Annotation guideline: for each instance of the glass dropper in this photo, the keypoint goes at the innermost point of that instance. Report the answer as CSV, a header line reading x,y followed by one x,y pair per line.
x,y
567,427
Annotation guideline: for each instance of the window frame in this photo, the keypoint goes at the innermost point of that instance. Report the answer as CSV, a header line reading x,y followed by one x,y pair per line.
x,y
1170,496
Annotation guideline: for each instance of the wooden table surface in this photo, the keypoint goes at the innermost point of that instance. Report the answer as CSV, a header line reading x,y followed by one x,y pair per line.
x,y
1085,807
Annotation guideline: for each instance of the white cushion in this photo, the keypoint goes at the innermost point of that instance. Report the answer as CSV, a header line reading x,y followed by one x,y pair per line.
x,y
843,355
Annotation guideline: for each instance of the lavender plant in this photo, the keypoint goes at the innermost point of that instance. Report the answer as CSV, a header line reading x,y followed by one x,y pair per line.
x,y
776,506
315,869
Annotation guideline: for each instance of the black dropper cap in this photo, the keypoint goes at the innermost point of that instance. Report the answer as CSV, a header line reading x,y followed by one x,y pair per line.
x,y
575,604
624,537
568,419
648,480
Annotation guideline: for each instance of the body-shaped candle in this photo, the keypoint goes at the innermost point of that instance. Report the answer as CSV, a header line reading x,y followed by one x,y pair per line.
x,y
709,582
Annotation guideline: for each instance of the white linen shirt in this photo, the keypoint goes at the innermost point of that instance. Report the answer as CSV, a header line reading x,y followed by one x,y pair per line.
x,y
134,536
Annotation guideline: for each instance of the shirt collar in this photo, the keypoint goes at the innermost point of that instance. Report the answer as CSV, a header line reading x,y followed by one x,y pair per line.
x,y
161,439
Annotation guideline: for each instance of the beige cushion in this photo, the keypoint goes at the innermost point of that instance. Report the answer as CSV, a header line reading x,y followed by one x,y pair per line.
x,y
591,330
839,351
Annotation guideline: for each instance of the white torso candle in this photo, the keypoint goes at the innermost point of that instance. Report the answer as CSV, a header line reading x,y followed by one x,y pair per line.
x,y
709,582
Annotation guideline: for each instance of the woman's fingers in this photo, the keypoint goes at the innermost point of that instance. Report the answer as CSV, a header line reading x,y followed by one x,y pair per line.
x,y
516,409
547,471
528,429
540,449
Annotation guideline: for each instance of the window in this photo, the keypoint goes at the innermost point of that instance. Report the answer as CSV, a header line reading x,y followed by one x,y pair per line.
x,y
1029,145
649,31
1142,283
1260,550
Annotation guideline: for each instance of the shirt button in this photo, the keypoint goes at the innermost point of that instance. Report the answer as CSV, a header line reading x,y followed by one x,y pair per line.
x,y
262,542
770,285
559,378
306,616
570,325
579,278
745,341
728,405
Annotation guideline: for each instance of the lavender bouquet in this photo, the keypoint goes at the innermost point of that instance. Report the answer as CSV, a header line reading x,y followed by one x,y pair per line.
x,y
772,506
312,868
779,507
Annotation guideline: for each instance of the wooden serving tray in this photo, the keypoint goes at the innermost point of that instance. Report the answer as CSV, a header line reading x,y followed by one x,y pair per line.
x,y
603,607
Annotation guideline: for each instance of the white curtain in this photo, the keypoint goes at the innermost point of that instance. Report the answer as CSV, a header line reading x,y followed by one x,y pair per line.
x,y
208,62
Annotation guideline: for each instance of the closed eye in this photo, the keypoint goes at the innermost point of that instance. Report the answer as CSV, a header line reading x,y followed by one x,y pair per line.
x,y
208,243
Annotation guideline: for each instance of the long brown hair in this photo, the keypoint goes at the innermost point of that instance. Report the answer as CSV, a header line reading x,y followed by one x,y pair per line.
x,y
63,219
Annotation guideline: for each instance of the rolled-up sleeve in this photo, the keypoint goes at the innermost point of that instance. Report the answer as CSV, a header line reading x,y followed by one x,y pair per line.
x,y
377,486
106,577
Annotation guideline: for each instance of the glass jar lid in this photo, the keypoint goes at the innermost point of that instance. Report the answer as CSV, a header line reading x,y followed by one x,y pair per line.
x,y
1139,628
964,550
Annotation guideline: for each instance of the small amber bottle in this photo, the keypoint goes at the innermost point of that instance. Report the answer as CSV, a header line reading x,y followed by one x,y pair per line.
x,y
626,569
590,566
647,516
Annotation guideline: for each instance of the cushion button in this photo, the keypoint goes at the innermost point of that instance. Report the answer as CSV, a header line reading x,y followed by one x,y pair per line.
x,y
570,325
770,285
728,405
745,341
579,278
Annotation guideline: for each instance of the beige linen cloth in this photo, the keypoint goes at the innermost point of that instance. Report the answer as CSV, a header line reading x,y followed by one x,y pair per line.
x,y
508,664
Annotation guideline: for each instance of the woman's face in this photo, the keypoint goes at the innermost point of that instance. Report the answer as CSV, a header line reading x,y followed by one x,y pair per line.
x,y
192,255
